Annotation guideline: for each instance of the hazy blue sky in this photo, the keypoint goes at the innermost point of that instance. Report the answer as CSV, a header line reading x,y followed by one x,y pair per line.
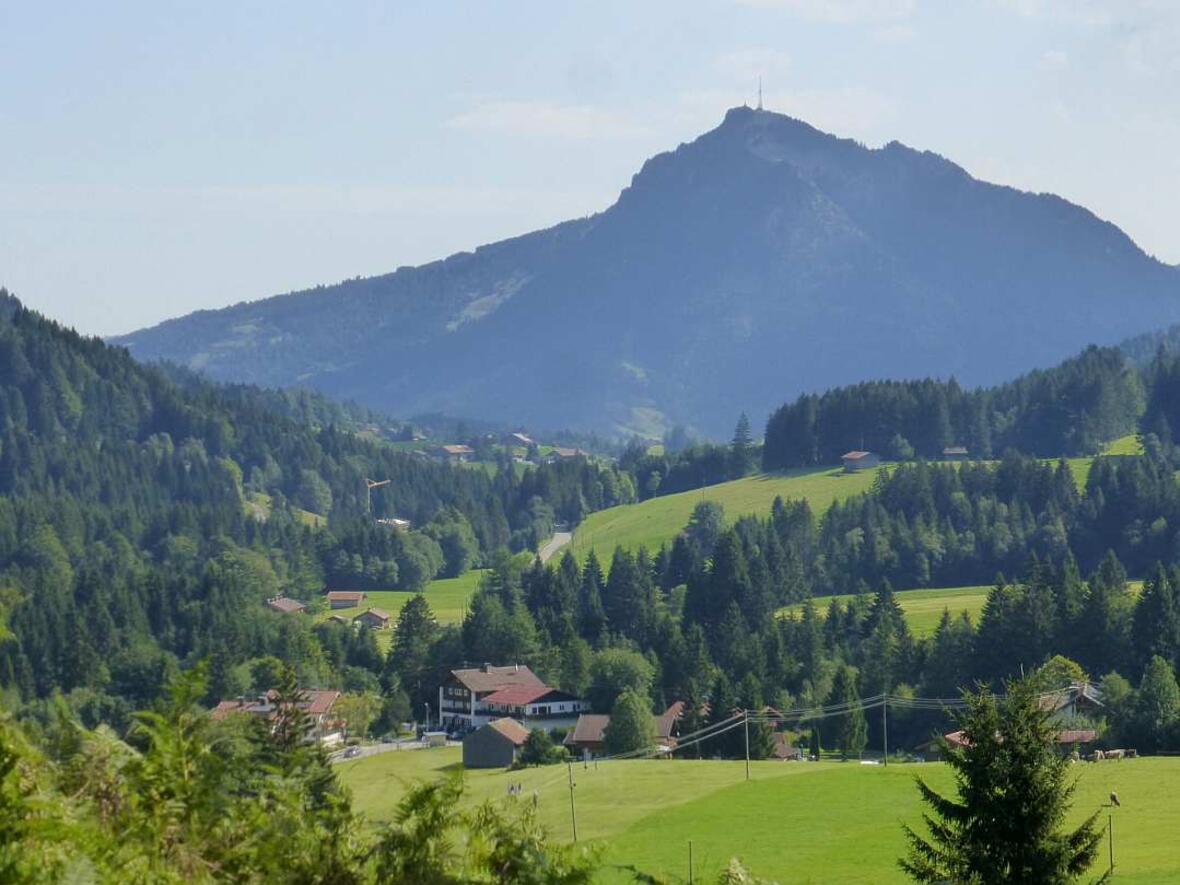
x,y
156,158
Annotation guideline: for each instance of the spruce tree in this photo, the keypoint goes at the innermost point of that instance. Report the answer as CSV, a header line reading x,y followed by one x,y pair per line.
x,y
850,727
741,450
1013,794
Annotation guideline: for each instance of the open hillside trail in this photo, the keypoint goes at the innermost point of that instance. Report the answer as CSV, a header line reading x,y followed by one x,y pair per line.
x,y
554,544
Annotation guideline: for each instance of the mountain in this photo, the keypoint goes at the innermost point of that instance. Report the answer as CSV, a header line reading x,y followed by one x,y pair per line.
x,y
764,259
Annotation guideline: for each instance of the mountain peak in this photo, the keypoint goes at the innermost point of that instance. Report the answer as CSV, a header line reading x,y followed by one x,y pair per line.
x,y
763,259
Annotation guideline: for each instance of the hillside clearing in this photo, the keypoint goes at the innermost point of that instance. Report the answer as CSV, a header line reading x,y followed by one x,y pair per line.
x,y
923,608
795,822
659,520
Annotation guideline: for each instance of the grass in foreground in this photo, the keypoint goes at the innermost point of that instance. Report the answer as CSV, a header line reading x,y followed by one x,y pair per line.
x,y
659,520
923,608
794,822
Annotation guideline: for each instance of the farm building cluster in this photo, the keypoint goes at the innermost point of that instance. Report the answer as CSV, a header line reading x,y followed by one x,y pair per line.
x,y
373,618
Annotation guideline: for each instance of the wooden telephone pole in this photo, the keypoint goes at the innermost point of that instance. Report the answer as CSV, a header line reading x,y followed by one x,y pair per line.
x,y
371,484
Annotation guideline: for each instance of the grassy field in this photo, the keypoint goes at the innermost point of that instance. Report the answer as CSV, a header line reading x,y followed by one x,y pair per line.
x,y
923,608
1126,445
660,520
794,822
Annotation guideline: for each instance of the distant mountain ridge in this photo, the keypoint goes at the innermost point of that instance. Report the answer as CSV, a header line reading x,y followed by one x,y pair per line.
x,y
763,259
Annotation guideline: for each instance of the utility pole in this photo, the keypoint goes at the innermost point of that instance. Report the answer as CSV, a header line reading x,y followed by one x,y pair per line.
x,y
369,486
746,722
573,815
690,862
1110,831
885,727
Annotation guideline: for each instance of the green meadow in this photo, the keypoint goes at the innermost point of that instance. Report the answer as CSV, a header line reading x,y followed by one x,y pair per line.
x,y
659,520
923,608
448,598
827,822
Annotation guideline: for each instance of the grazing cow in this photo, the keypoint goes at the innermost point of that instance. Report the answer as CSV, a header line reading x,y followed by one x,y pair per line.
x,y
1115,754
1131,754
1098,756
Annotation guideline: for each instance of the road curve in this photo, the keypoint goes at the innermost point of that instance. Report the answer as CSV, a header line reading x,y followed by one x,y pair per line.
x,y
559,540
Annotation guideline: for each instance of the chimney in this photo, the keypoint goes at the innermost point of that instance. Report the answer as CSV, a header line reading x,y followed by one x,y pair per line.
x,y
484,667
516,668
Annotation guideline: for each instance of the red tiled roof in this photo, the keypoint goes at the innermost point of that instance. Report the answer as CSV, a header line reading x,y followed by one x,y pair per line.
x,y
511,729
375,612
458,450
481,680
519,695
854,456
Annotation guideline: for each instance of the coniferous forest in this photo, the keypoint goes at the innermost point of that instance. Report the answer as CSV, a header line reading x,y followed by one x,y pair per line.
x,y
135,560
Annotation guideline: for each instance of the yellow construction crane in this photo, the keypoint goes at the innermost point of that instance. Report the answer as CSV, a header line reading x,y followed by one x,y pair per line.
x,y
371,484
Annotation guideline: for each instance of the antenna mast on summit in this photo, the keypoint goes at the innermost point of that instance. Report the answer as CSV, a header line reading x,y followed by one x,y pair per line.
x,y
759,93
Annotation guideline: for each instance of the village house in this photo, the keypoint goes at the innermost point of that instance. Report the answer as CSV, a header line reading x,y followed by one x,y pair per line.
x,y
324,727
954,453
537,706
373,618
345,598
461,697
496,744
285,606
454,454
1077,700
588,737
856,460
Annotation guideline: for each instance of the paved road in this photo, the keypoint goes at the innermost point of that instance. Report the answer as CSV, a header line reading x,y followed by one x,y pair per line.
x,y
559,540
377,749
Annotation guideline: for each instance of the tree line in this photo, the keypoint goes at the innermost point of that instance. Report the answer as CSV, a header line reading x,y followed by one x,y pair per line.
x,y
1071,409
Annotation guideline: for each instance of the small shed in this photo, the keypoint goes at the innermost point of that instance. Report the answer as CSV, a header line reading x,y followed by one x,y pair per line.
x,y
495,745
374,618
285,605
955,453
589,735
344,598
857,460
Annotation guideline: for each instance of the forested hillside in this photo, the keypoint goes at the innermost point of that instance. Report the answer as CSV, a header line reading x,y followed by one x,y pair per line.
x,y
1071,409
143,524
760,261
128,554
